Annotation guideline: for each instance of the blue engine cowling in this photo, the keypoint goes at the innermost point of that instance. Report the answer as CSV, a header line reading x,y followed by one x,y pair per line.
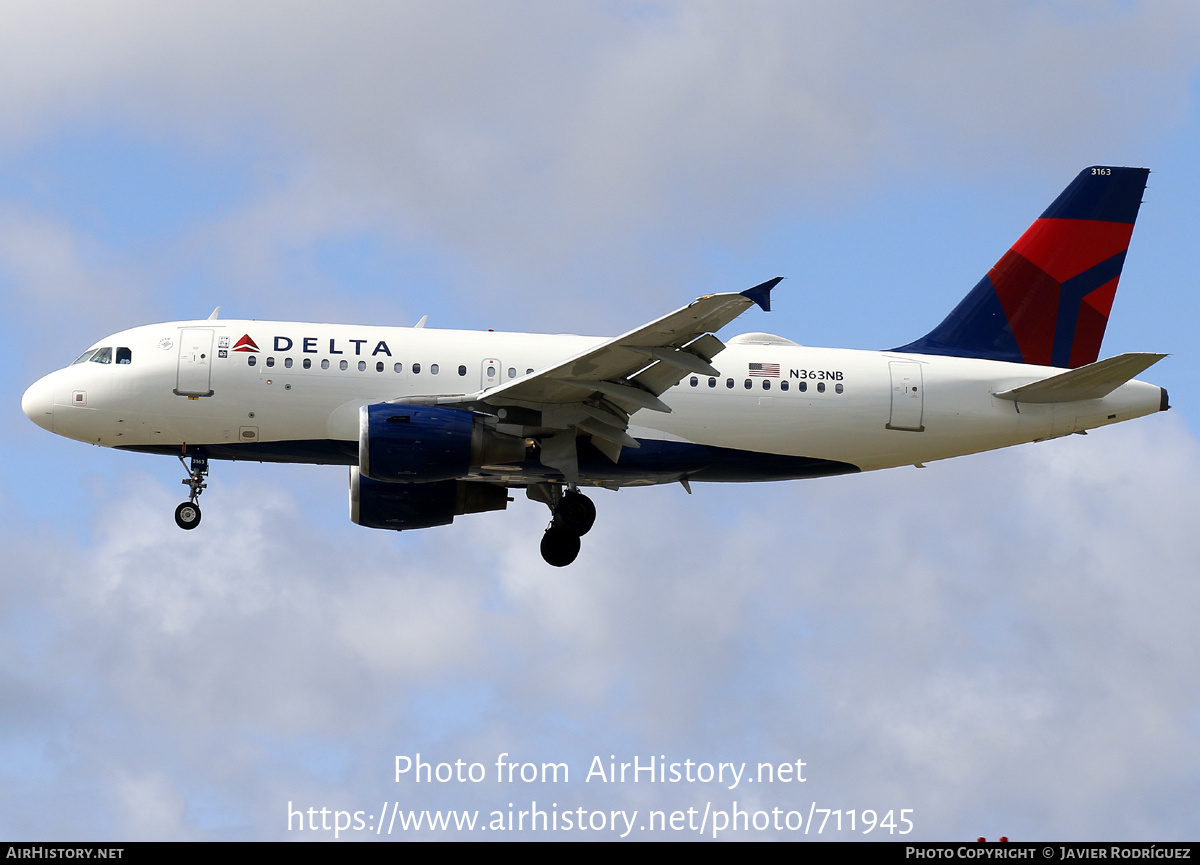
x,y
383,505
421,444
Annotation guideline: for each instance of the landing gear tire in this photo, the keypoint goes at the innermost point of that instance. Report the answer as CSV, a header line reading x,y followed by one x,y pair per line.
x,y
560,546
187,515
575,513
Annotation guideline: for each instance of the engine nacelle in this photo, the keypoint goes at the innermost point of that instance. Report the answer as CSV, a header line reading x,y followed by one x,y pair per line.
x,y
383,505
422,444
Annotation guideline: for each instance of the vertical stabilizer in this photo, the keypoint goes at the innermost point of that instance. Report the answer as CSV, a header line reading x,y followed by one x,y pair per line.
x,y
1047,300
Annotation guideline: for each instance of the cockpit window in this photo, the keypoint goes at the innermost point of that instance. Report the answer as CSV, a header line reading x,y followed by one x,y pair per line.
x,y
124,355
83,357
102,355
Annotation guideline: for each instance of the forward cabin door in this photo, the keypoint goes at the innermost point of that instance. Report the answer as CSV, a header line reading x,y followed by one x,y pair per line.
x,y
194,377
908,396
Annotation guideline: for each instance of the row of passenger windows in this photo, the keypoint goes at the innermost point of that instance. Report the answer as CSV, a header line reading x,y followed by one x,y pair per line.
x,y
380,366
801,386
105,355
434,369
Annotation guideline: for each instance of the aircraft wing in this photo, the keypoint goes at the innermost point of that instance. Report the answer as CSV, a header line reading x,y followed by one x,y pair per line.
x,y
631,370
595,392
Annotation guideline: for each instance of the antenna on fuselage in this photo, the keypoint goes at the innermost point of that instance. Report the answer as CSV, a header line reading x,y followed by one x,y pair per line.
x,y
421,323
216,313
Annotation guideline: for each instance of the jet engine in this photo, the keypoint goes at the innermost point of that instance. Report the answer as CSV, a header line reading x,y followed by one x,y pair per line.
x,y
383,505
411,444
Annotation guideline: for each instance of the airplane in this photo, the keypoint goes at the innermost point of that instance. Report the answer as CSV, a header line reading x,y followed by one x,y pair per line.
x,y
434,424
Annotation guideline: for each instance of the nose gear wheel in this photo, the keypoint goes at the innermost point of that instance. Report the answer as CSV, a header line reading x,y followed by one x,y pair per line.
x,y
187,515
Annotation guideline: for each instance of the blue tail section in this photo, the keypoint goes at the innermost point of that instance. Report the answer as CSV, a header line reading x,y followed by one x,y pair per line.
x,y
1047,300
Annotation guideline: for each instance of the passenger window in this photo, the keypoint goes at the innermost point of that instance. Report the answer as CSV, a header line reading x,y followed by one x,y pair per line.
x,y
308,363
83,357
512,372
378,366
820,387
728,382
416,368
270,361
695,381
287,363
433,369
251,360
766,384
102,355
803,386
398,368
362,366
462,370
343,365
124,355
325,363
712,382
838,388
529,371
749,384
783,385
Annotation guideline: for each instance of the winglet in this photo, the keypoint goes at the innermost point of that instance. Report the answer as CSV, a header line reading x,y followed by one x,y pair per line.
x,y
761,293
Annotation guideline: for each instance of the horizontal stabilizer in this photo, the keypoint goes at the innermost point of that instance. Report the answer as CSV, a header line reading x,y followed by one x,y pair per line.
x,y
1093,381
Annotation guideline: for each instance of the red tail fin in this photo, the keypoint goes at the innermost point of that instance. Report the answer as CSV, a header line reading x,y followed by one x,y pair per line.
x,y
1047,300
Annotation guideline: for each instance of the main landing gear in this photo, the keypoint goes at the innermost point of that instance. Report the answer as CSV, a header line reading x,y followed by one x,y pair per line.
x,y
187,515
573,516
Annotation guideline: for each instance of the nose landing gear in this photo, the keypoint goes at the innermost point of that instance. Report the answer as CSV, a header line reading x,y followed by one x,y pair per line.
x,y
187,515
573,516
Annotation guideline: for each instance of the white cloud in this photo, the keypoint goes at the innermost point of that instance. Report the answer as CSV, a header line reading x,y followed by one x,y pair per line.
x,y
1003,642
151,807
545,141
998,638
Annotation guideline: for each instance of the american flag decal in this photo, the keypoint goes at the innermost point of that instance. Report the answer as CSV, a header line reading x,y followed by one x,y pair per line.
x,y
764,370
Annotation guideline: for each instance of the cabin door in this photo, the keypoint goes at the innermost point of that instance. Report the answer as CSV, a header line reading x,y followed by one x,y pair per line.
x,y
908,396
194,377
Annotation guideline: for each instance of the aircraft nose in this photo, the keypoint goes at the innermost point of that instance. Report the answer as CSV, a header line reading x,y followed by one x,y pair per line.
x,y
38,403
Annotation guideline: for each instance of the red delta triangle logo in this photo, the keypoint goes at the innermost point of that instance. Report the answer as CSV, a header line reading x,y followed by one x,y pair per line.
x,y
245,344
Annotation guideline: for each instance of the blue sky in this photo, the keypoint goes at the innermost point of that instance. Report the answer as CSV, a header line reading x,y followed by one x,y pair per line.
x,y
1002,643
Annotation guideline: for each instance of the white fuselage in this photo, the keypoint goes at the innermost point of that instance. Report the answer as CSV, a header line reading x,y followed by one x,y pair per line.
x,y
185,385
